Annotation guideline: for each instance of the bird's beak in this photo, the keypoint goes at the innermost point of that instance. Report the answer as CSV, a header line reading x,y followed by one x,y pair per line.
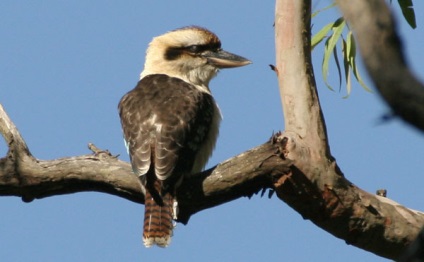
x,y
224,59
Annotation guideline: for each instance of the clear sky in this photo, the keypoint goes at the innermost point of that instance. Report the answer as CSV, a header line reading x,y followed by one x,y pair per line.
x,y
64,65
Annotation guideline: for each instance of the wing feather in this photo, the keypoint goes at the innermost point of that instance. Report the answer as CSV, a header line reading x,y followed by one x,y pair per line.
x,y
165,121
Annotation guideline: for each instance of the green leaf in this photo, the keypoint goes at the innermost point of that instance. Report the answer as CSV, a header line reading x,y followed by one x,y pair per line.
x,y
325,60
325,8
336,60
352,60
345,48
318,37
331,42
407,8
324,66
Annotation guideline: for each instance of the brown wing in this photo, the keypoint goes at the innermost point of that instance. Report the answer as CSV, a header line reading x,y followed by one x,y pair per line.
x,y
165,120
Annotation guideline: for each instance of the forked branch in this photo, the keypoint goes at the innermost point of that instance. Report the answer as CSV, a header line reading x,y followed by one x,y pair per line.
x,y
316,187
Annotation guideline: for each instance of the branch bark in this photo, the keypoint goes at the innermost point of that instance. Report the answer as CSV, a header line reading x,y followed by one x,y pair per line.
x,y
22,175
382,52
316,187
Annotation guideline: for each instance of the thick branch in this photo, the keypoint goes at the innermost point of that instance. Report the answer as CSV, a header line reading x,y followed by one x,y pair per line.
x,y
343,209
302,111
381,50
316,187
370,222
31,178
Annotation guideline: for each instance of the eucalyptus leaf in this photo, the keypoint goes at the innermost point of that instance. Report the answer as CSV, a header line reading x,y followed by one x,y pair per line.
x,y
330,44
345,51
408,12
353,64
318,37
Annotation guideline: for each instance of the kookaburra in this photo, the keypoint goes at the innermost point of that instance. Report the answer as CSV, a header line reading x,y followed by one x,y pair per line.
x,y
170,120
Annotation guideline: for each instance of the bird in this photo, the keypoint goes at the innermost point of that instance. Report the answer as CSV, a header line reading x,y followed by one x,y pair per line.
x,y
170,120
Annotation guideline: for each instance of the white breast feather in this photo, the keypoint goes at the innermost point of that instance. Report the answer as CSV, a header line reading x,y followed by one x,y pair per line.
x,y
208,146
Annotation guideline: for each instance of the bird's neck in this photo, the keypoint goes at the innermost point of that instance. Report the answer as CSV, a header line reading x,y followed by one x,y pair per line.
x,y
199,79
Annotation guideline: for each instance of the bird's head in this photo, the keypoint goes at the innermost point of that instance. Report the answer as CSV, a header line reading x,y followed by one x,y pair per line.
x,y
193,54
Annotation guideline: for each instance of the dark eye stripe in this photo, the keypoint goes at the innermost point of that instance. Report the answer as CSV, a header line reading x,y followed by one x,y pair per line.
x,y
173,53
202,48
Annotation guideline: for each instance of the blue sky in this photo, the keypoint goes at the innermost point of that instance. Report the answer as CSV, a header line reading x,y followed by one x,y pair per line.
x,y
64,65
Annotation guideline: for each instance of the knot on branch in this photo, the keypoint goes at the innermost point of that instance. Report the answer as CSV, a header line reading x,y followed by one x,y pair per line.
x,y
294,186
100,153
280,141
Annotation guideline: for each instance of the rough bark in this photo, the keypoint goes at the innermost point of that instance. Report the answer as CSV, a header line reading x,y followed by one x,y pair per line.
x,y
316,187
23,175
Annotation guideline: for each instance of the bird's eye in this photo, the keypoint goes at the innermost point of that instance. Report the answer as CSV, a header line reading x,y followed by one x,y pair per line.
x,y
194,49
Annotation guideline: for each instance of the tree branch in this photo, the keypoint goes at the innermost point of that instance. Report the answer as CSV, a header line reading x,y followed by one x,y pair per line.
x,y
299,97
316,187
25,176
382,53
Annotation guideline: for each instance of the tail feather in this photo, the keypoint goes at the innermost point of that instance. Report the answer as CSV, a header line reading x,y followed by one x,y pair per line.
x,y
158,220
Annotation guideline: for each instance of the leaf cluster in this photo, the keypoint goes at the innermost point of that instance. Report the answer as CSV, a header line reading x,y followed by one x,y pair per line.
x,y
338,33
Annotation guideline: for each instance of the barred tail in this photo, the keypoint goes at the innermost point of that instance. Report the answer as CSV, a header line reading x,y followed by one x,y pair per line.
x,y
158,223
